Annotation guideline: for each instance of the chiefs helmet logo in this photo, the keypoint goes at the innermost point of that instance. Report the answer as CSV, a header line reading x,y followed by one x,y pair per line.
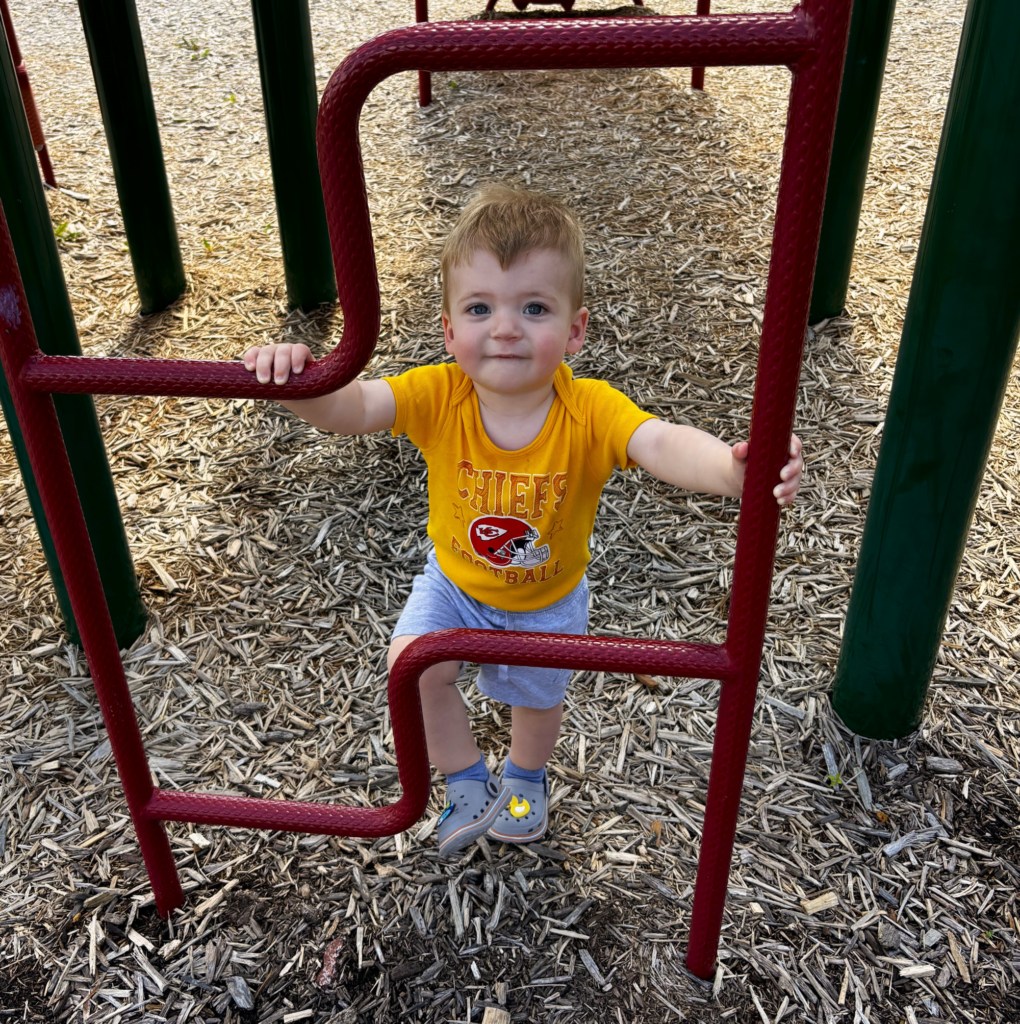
x,y
503,541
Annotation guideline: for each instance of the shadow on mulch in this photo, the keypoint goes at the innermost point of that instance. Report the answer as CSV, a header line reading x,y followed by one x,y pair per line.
x,y
145,336
397,974
21,993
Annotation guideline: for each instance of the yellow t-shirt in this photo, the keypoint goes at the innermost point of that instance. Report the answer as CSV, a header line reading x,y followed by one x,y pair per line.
x,y
511,529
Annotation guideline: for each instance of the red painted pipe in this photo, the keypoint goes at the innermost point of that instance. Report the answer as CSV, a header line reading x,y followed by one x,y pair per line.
x,y
421,13
27,99
52,471
810,124
811,41
698,74
737,39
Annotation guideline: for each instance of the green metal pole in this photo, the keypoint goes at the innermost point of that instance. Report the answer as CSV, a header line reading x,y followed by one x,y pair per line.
x,y
28,218
867,46
283,37
114,40
956,354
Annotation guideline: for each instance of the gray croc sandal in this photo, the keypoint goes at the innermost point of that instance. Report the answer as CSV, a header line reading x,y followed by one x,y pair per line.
x,y
526,816
471,807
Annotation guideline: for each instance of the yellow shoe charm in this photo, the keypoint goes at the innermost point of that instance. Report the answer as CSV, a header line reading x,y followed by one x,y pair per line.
x,y
518,808
525,816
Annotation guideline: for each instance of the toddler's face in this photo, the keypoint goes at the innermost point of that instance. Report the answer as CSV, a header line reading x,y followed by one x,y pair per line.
x,y
509,329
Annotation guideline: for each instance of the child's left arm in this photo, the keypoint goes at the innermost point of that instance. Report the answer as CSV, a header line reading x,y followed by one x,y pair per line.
x,y
697,461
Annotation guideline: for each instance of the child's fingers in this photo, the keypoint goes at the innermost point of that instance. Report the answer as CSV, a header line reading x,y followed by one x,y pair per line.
x,y
281,369
264,363
785,493
299,358
740,450
796,447
275,362
790,476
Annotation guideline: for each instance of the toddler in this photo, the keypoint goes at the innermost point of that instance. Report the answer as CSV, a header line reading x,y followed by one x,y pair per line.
x,y
518,452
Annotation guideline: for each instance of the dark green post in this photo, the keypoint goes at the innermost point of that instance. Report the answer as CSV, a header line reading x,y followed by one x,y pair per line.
x,y
125,99
959,340
28,218
283,36
867,46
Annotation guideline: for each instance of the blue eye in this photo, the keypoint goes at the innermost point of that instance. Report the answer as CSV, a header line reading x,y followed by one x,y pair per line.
x,y
478,309
534,309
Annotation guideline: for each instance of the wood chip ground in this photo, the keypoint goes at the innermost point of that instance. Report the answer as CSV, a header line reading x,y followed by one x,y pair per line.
x,y
871,881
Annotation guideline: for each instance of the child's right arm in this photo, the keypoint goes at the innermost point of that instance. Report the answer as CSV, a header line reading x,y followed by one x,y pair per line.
x,y
362,407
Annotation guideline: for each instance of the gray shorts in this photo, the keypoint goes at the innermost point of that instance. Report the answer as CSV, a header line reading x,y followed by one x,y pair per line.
x,y
437,603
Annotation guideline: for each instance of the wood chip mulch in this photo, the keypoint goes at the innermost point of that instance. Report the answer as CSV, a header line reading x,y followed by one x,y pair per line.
x,y
871,881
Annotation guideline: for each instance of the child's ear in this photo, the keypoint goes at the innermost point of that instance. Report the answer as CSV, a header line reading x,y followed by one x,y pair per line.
x,y
447,333
578,329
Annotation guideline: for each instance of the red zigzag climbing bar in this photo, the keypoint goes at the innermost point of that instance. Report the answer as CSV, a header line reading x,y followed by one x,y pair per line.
x,y
811,41
440,46
611,654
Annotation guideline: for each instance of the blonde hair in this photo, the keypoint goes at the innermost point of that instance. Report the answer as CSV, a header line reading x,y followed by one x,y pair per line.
x,y
510,223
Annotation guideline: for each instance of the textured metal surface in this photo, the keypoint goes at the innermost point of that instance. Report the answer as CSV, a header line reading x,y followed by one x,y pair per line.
x,y
811,40
27,98
327,819
434,46
53,477
811,117
35,248
421,13
706,661
698,74
556,650
147,805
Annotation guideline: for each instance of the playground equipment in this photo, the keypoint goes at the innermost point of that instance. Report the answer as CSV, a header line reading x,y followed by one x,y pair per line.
x,y
956,354
283,38
698,74
21,194
421,13
284,42
811,41
522,5
27,99
114,41
870,29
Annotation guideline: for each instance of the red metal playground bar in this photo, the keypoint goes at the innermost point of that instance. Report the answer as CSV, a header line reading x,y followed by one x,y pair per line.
x,y
27,97
421,13
811,41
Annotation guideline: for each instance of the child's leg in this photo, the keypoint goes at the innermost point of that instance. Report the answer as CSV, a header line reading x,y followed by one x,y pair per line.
x,y
452,748
533,735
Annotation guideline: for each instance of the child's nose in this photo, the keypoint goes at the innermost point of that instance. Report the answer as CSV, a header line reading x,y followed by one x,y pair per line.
x,y
505,325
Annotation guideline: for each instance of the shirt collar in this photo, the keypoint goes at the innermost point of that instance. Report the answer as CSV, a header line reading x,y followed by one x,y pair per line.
x,y
563,382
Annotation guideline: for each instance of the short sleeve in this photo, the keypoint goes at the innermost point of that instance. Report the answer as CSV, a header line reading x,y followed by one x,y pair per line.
x,y
612,419
424,397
